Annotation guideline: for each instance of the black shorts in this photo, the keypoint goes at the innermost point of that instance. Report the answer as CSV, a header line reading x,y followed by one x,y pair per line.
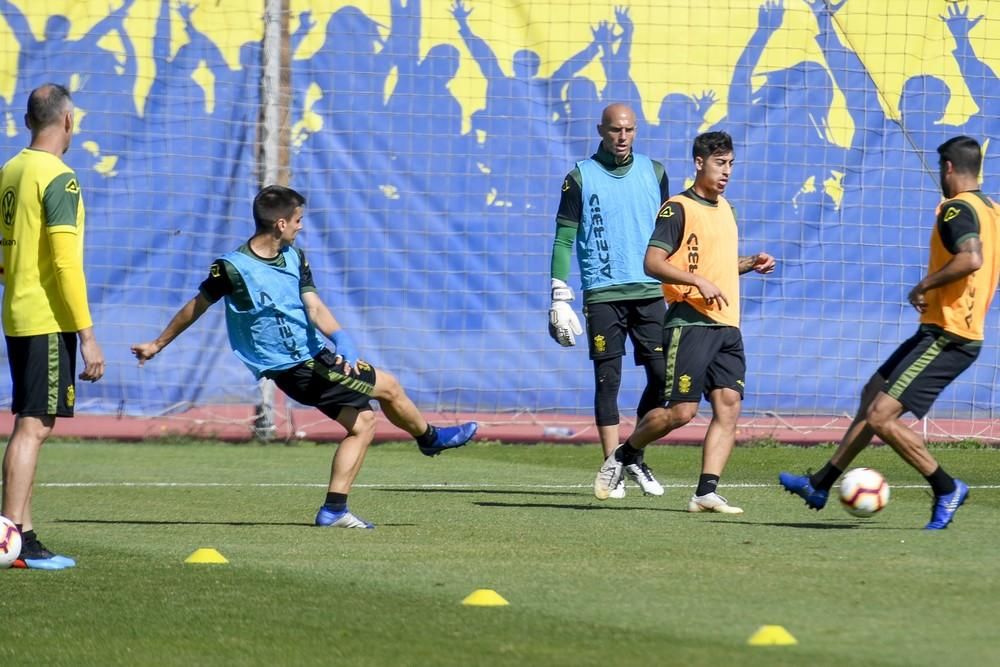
x,y
699,359
321,383
609,323
43,372
923,365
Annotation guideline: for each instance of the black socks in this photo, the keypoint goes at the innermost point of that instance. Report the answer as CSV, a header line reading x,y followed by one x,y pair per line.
x,y
824,479
336,502
428,438
941,482
628,454
707,484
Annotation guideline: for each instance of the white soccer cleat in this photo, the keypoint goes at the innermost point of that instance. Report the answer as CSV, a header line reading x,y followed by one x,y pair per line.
x,y
643,476
712,502
618,492
608,477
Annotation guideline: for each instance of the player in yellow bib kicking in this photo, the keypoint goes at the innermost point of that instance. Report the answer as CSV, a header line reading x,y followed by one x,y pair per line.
x,y
952,299
693,253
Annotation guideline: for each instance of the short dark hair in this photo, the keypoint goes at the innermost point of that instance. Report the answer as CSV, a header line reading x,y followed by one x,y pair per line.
x,y
273,203
46,105
711,143
964,153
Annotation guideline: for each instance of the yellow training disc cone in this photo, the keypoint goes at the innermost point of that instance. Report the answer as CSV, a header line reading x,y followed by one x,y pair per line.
x,y
484,597
772,635
206,556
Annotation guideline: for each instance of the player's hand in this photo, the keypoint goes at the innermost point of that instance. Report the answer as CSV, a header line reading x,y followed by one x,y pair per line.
x,y
763,263
713,295
349,368
918,299
564,325
93,360
145,351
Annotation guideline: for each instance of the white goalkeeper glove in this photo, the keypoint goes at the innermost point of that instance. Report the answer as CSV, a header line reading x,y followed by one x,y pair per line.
x,y
563,322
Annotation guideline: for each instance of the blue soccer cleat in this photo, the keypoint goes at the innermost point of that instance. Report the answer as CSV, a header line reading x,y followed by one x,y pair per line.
x,y
34,556
944,507
342,519
803,488
450,437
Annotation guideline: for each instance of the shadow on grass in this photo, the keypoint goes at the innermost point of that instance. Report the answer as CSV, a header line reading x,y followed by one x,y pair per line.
x,y
499,492
140,522
808,526
612,508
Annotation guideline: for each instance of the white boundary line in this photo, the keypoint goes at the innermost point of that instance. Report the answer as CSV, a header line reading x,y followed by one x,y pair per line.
x,y
469,486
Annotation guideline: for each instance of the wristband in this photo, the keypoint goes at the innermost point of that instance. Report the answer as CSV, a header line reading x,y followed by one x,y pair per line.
x,y
344,345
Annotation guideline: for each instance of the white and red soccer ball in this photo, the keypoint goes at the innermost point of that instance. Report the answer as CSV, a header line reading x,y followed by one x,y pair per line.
x,y
10,543
864,492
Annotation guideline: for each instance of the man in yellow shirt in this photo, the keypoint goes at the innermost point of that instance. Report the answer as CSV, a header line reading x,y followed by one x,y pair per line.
x,y
952,298
45,305
693,253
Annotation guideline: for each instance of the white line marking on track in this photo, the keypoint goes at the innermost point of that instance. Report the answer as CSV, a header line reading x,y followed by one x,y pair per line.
x,y
448,485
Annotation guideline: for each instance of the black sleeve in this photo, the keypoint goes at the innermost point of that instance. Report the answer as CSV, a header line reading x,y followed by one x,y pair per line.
x,y
218,283
661,173
571,201
669,231
306,283
956,223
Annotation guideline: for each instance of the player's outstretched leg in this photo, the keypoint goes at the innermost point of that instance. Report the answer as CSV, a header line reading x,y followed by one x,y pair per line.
x,y
801,486
449,437
401,412
944,507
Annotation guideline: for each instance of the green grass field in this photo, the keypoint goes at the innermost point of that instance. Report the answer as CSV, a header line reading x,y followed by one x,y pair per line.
x,y
634,581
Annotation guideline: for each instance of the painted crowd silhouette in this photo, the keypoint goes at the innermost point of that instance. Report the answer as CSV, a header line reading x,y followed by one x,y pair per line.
x,y
398,184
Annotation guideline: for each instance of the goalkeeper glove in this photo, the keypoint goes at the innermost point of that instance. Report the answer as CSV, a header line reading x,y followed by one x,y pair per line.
x,y
344,346
563,322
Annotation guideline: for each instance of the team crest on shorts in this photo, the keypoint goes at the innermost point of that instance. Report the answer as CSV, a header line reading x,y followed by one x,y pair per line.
x,y
70,396
600,343
684,384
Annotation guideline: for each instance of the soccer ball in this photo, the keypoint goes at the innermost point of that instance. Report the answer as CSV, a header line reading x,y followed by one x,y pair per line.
x,y
863,492
10,543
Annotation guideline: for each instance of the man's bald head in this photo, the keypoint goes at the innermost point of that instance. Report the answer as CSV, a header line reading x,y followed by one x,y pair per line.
x,y
618,112
617,130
